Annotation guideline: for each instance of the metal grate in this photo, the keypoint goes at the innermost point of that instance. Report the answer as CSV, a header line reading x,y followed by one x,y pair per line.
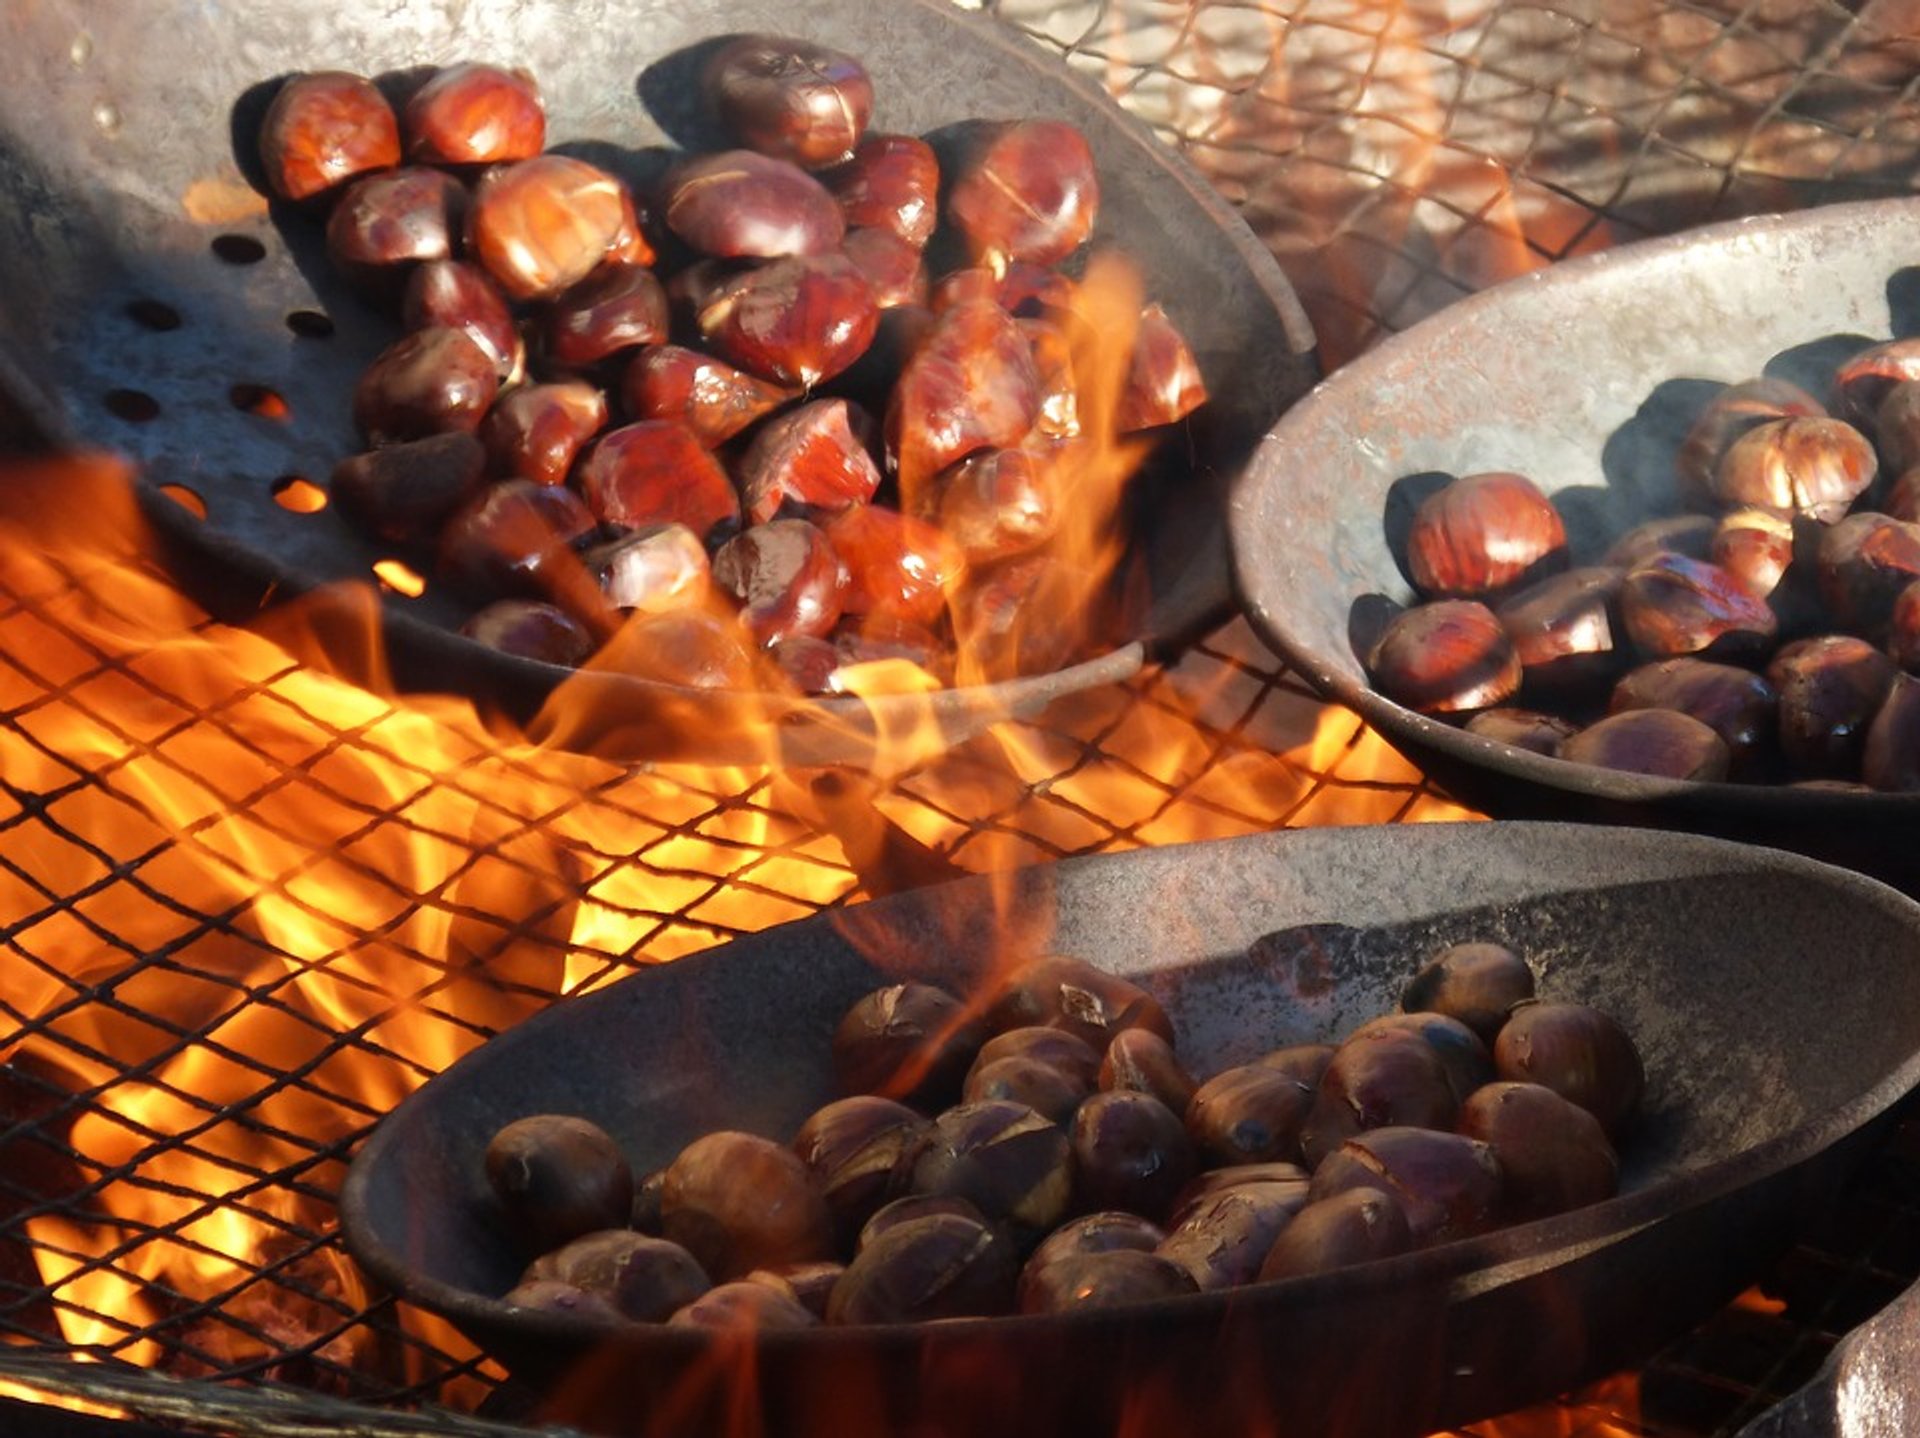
x,y
246,907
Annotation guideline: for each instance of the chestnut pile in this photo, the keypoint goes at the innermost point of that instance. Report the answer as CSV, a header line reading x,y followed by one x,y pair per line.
x,y
745,421
1771,634
1050,1151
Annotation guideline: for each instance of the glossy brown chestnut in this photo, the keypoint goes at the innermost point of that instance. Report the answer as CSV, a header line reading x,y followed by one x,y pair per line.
x,y
534,431
1463,1054
1163,378
1357,1226
971,384
1249,1114
1527,729
1728,415
645,1215
808,1284
1475,983
796,321
1052,1093
1891,760
475,114
323,128
558,1177
738,1202
1211,1181
1223,1238
710,397
997,617
644,1278
996,503
860,1151
942,1266
1672,605
898,567
1865,561
737,205
890,182
460,296
540,225
1737,704
513,538
1658,742
531,629
1141,1061
911,1208
1056,1048
743,1306
1688,535
1483,533
791,98
787,578
1562,627
1580,1053
1071,994
686,647
1377,1079
1131,1152
657,472
384,222
1107,1231
1830,688
1306,1063
1448,1185
617,307
1863,382
1755,546
1004,1159
908,1041
1814,467
1553,1154
654,570
428,382
1449,657
808,457
402,492
1103,1280
1028,193
890,266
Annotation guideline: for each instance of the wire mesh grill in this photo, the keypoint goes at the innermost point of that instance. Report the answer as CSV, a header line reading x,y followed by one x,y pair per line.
x,y
247,906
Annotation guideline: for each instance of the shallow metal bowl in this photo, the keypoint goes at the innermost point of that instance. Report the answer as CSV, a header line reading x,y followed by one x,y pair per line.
x,y
1584,377
126,140
1776,1001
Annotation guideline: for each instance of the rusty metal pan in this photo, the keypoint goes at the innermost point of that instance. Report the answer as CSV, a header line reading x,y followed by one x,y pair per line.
x,y
150,287
1777,1002
1585,377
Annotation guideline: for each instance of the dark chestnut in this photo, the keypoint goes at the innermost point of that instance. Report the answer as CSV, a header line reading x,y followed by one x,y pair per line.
x,y
515,537
1830,688
1527,729
744,1305
657,569
1755,546
1004,1159
1562,627
996,503
912,1207
1865,561
1483,533
1223,1238
402,492
1050,1092
383,223
1816,467
617,307
1356,1226
1891,760
1028,193
971,384
1449,657
738,1202
1163,378
540,225
1688,535
943,1266
323,128
1737,704
1071,994
710,397
550,1295
558,1177
1476,983
1903,629
809,457
796,321
645,1216
890,182
1580,1053
1553,1154
1130,1151
427,382
1304,1063
787,578
1103,1280
810,1285
1463,1053
461,296
1056,1048
737,204
1107,1231
531,629
1728,415
644,1278
1903,497
474,114
1248,1115
1658,742
1863,382
860,1151
1211,1181
898,567
1448,1185
1672,605
1141,1061
909,1041
657,472
791,98
535,431
1377,1079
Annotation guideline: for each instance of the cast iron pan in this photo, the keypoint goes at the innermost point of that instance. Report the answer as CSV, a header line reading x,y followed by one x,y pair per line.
x,y
125,134
1583,377
1777,1002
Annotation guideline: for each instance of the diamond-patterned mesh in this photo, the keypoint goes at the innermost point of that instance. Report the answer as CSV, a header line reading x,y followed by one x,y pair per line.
x,y
247,907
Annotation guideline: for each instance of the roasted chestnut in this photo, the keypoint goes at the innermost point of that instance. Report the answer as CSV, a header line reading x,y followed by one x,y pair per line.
x,y
971,384
1476,983
1816,467
1356,1226
791,98
657,472
1028,193
383,223
1004,1159
530,629
898,567
1056,1048
1249,1114
515,537
1672,605
1107,1231
1304,1063
739,1202
403,492
1211,1181
428,382
1830,688
1448,1185
892,267
787,578
909,1041
710,397
323,128
1103,1280
911,1207
1130,1152
743,1304
1891,760
645,1278
1728,415
617,307
1141,1061
810,1285
1553,1154
1223,1238
1527,729
1755,546
1562,627
1580,1053
1658,742
1688,535
1481,534
460,296
1903,629
1462,1052
890,182
1865,561
558,1177
809,457
1863,382
1071,994
1377,1079
535,430
542,224
476,114
1737,704
685,647
1051,1092
550,1295
1446,658
738,204
796,321
942,1266
655,570
1163,378
860,1151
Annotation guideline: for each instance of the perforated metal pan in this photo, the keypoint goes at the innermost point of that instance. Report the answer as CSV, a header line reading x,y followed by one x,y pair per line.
x,y
1776,1001
149,286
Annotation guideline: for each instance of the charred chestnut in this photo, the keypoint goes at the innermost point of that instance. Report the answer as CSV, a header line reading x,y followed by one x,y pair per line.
x,y
1476,983
1446,658
1004,1159
558,1177
1108,1231
1056,1048
810,1285
1891,760
1481,534
1051,1092
550,1295
738,1202
1223,1238
1580,1053
1385,1077
1249,1115
912,1207
1304,1063
1462,1052
1553,1154
1356,1226
1211,1181
909,1041
860,1151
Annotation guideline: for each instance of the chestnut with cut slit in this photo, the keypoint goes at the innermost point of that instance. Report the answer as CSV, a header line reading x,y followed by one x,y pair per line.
x,y
1448,657
909,1041
791,98
475,114
1482,534
559,1177
1029,192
